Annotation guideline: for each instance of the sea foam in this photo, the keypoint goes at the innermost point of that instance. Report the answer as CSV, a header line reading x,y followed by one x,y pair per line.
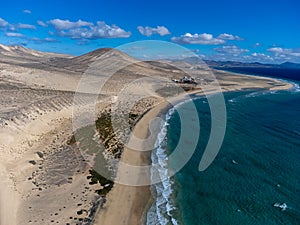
x,y
160,212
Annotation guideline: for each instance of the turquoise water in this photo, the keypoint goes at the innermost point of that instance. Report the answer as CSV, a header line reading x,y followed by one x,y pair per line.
x,y
255,177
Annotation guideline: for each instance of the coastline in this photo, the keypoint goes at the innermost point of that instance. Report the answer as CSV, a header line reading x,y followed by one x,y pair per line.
x,y
136,201
288,84
45,178
46,127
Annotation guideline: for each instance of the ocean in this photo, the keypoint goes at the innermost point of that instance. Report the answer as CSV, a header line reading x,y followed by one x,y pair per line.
x,y
254,178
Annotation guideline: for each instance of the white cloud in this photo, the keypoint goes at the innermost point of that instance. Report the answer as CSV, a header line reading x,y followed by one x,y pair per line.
x,y
203,39
3,23
15,27
231,50
43,40
67,24
148,31
27,11
13,34
285,53
26,26
260,57
229,37
86,30
250,57
295,54
41,23
12,27
277,50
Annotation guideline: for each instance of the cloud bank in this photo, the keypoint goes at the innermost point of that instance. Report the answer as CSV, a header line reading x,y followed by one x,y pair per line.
x,y
43,40
3,23
14,34
87,30
285,54
258,57
229,37
231,50
27,11
149,31
41,23
205,39
202,39
25,26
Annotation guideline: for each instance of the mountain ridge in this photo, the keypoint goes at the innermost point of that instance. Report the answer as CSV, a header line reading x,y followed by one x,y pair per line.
x,y
234,64
21,51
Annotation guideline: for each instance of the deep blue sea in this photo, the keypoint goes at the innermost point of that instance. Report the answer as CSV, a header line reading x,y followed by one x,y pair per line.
x,y
254,178
283,73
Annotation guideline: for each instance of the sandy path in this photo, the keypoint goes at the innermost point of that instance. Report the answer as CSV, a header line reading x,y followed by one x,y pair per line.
x,y
9,199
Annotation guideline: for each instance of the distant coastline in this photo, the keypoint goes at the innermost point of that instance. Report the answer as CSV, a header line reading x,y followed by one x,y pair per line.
x,y
277,73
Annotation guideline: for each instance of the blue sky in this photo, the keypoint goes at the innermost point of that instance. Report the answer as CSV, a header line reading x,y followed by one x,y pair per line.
x,y
263,31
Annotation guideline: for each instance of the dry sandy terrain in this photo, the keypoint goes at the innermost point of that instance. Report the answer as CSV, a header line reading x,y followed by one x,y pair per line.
x,y
43,178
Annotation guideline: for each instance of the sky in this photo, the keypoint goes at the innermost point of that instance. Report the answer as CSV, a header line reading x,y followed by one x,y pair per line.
x,y
248,31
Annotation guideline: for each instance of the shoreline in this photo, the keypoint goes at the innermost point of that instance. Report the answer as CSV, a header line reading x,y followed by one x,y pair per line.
x,y
45,177
46,127
140,199
288,83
